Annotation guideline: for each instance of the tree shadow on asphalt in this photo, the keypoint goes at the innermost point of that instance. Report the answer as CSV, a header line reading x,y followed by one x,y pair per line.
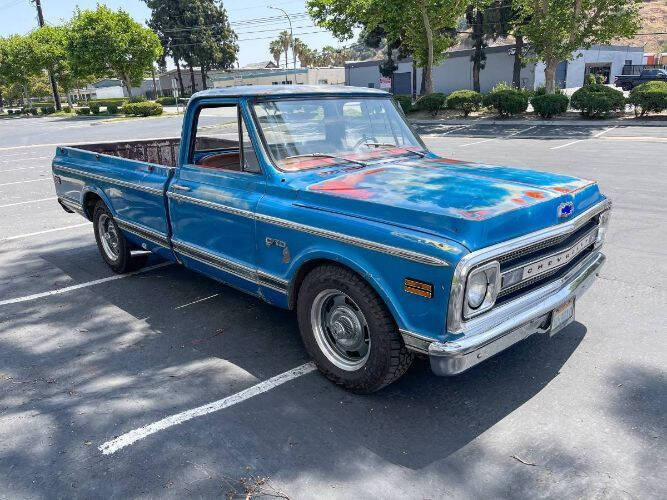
x,y
117,356
523,131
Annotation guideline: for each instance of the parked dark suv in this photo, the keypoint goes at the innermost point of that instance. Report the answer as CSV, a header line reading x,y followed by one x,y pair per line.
x,y
628,82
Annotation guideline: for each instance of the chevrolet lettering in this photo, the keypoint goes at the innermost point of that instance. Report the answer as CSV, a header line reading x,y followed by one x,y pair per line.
x,y
322,199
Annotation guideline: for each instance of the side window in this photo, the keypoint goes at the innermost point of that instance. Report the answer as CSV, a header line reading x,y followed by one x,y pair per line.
x,y
222,142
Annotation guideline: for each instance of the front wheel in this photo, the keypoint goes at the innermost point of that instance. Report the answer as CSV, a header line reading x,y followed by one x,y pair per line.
x,y
114,247
348,330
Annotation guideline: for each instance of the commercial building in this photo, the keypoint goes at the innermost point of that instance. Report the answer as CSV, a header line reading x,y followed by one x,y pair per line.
x,y
455,72
278,76
109,88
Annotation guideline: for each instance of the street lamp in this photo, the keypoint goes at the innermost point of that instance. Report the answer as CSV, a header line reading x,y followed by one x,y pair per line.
x,y
291,34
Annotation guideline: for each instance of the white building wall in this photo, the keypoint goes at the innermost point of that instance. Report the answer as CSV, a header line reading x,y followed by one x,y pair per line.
x,y
108,92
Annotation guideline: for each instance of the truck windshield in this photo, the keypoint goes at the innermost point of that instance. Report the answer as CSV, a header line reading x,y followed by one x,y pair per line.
x,y
311,133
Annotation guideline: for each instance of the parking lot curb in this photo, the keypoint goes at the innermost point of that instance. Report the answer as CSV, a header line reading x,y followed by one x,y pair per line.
x,y
553,123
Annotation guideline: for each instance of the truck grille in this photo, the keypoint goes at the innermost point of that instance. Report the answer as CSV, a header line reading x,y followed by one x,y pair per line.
x,y
531,267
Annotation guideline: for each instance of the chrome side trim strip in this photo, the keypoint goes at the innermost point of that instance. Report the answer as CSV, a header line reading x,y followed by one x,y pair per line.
x,y
455,322
212,205
325,233
72,205
248,273
353,240
143,232
110,180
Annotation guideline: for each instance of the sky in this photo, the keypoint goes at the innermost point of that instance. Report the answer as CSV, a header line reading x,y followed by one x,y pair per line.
x,y
19,16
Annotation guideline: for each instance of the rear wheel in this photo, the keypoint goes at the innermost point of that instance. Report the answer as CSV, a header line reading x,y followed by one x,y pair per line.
x,y
113,246
348,330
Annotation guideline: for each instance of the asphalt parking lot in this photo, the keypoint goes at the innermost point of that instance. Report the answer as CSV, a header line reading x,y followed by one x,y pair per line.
x,y
87,357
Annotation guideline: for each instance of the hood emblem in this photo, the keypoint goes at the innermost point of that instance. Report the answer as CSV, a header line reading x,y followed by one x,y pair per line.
x,y
565,209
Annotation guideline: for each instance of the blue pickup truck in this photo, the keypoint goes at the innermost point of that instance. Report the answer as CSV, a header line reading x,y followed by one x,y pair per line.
x,y
323,200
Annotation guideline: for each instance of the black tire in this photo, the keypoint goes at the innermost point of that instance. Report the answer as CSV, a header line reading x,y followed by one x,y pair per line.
x,y
122,261
386,359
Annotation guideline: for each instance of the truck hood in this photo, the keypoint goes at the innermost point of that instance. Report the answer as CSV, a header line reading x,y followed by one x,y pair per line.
x,y
474,204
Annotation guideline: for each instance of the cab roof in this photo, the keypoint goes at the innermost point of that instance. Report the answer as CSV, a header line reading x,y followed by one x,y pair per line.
x,y
287,90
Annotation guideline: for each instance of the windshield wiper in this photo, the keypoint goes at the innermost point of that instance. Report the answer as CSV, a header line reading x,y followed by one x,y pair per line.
x,y
390,145
325,155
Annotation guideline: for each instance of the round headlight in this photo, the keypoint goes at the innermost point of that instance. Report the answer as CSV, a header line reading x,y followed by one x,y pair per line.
x,y
477,286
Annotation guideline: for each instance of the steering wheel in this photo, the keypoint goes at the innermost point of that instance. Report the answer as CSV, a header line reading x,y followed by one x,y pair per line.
x,y
364,140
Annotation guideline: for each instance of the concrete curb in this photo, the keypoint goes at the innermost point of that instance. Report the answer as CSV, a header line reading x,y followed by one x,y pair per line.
x,y
553,123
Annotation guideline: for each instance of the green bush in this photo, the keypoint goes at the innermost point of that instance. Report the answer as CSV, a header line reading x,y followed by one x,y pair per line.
x,y
431,103
67,109
112,109
83,111
95,109
507,101
143,109
118,101
33,111
649,97
10,111
48,110
405,101
183,100
597,100
166,101
137,98
464,101
549,105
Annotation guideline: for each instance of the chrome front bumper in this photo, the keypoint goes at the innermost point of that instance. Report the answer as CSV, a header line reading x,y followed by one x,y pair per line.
x,y
512,322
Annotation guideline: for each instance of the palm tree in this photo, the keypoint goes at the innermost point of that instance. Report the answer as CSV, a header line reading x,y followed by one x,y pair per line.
x,y
285,40
276,49
303,52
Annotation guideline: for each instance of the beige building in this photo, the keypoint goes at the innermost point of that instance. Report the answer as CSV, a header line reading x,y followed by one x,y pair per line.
x,y
269,76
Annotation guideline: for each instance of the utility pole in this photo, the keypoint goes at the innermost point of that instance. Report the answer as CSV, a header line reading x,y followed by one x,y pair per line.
x,y
291,34
54,87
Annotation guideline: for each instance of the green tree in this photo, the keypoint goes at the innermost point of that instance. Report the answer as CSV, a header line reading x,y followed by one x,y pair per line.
x,y
420,27
110,43
303,52
276,50
505,18
559,27
16,67
285,41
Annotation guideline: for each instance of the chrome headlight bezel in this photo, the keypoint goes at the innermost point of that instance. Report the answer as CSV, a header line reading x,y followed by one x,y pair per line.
x,y
603,227
491,271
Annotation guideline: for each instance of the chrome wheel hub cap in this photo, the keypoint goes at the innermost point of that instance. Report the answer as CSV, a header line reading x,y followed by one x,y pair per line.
x,y
341,330
109,237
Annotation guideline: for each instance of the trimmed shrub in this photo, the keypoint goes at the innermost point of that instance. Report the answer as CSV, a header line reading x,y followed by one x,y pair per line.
x,y
166,101
67,109
83,111
95,109
137,98
507,101
549,105
143,109
118,101
649,97
431,103
33,111
112,109
10,111
48,110
405,101
183,100
597,100
464,101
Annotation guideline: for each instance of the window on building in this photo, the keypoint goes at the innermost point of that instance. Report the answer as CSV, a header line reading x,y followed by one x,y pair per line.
x,y
371,85
323,81
275,83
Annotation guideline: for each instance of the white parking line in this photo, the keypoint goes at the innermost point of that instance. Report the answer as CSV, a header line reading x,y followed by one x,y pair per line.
x,y
23,182
135,435
196,301
582,140
497,138
26,202
24,159
66,289
23,168
19,236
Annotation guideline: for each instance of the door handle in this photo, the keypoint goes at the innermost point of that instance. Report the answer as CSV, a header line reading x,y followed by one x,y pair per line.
x,y
178,187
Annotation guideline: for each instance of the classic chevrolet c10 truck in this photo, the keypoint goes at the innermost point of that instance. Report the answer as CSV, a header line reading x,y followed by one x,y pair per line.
x,y
323,200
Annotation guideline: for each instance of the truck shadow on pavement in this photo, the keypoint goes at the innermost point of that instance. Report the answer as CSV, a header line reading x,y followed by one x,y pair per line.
x,y
91,365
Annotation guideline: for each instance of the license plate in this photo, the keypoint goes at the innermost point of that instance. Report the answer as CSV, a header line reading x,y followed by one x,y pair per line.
x,y
562,316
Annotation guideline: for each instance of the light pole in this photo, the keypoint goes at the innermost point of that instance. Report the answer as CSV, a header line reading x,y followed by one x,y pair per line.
x,y
291,34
